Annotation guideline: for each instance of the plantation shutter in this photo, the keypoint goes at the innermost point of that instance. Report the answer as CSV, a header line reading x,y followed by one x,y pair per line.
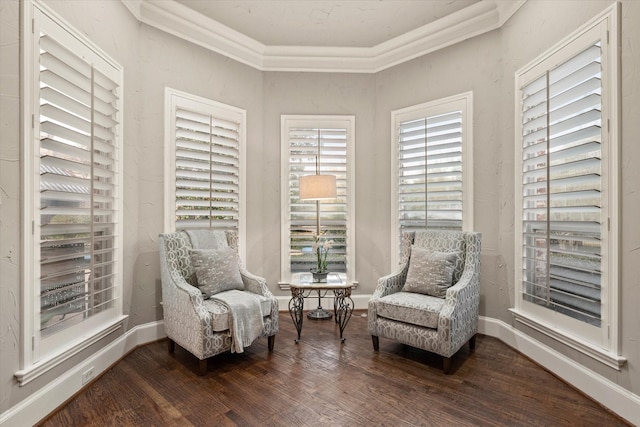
x,y
207,171
430,172
561,163
329,146
79,188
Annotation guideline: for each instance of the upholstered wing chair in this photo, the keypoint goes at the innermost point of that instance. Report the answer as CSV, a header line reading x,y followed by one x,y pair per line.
x,y
200,324
442,319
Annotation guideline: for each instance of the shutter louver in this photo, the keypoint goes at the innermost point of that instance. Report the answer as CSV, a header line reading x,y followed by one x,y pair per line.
x,y
303,150
562,188
430,172
207,171
78,187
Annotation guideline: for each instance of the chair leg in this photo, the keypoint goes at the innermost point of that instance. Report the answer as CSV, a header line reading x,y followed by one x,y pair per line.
x,y
472,343
171,345
376,342
446,365
202,367
270,341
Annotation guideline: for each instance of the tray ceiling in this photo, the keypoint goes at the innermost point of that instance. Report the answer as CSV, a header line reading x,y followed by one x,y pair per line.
x,y
324,36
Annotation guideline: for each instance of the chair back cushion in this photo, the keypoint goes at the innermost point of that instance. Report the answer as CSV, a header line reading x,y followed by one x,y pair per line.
x,y
207,239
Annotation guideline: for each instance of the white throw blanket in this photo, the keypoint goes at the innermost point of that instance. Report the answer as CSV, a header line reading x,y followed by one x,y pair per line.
x,y
246,322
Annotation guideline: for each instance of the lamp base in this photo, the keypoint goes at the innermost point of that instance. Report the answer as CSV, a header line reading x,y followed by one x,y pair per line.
x,y
319,314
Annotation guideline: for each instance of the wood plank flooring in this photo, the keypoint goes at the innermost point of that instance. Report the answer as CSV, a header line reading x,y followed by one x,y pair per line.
x,y
323,382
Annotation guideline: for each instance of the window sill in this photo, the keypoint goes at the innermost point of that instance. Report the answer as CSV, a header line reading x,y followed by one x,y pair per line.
x,y
25,376
601,355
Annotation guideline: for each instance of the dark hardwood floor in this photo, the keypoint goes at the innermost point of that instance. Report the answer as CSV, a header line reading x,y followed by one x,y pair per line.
x,y
323,382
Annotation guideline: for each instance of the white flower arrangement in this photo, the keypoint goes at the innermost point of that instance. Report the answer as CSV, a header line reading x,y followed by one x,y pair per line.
x,y
321,246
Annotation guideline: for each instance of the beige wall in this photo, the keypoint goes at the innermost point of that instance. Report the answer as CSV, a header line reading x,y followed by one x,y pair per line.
x,y
153,60
9,200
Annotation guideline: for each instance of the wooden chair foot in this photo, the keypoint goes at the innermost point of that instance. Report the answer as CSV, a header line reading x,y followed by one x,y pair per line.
x,y
376,342
472,343
270,341
446,365
171,345
202,367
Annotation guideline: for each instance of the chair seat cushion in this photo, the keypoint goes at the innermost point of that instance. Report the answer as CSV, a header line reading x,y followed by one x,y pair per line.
x,y
220,312
412,308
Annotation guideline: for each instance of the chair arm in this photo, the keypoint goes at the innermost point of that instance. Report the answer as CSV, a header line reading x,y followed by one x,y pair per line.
x,y
258,285
183,286
254,283
391,283
458,319
387,285
186,319
189,296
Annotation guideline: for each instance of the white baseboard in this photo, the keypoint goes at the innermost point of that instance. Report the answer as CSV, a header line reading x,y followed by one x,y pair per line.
x,y
616,398
46,399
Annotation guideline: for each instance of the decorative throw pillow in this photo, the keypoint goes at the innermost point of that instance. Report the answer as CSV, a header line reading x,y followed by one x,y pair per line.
x,y
217,270
430,272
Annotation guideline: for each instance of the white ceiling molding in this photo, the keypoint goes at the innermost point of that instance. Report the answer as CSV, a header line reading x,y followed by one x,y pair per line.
x,y
189,25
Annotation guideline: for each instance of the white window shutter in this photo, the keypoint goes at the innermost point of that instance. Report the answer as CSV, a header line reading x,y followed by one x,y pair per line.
x,y
562,187
329,146
207,170
79,187
430,190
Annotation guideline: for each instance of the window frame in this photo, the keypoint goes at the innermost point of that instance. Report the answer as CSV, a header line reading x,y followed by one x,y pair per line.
x,y
600,343
462,102
175,98
39,355
319,121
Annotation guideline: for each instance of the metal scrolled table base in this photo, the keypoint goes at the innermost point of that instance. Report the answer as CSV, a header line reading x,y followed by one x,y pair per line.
x,y
342,308
296,304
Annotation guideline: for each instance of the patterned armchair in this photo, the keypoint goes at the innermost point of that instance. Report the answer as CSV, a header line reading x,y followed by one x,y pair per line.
x,y
198,324
439,324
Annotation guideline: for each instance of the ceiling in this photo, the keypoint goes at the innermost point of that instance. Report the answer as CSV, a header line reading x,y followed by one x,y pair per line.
x,y
351,23
353,36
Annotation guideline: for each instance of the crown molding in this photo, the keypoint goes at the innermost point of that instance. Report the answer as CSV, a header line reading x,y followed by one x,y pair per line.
x,y
182,22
